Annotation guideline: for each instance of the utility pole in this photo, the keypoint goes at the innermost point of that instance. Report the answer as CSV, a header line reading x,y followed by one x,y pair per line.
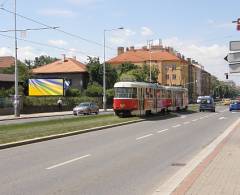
x,y
16,96
150,43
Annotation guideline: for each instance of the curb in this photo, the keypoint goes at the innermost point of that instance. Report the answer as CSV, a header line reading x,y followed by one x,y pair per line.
x,y
46,138
29,117
173,183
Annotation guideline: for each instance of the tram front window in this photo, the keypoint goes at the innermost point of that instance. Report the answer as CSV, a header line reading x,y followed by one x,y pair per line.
x,y
125,92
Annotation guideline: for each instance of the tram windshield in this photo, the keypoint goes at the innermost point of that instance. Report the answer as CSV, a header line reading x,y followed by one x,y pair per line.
x,y
121,92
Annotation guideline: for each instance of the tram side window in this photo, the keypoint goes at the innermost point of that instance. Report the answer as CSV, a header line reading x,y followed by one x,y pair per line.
x,y
121,92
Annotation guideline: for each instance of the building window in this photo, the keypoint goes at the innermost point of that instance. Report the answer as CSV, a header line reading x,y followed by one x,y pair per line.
x,y
174,77
167,76
174,67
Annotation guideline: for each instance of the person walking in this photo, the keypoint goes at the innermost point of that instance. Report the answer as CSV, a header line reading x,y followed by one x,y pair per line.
x,y
59,103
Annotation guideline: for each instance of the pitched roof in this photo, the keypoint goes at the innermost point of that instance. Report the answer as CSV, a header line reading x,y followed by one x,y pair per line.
x,y
7,77
6,61
70,65
141,55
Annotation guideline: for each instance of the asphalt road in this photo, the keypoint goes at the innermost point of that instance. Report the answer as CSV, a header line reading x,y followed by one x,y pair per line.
x,y
131,159
46,118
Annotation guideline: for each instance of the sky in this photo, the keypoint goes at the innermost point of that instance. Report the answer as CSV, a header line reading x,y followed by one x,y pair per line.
x,y
200,30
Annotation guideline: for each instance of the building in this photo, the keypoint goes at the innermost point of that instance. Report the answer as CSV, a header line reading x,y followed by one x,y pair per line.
x,y
206,84
173,68
67,68
6,81
6,62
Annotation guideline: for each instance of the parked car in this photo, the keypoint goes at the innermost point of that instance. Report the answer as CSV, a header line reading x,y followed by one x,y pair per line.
x,y
226,101
207,103
235,105
86,108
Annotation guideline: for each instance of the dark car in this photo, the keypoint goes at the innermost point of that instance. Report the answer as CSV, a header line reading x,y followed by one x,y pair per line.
x,y
207,103
235,105
86,108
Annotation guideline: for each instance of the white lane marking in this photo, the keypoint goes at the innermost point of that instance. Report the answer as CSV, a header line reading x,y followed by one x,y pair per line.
x,y
187,122
161,131
183,116
201,117
148,135
194,120
175,126
67,162
171,184
221,118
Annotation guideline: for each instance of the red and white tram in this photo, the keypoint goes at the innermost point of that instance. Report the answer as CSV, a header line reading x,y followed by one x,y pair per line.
x,y
140,98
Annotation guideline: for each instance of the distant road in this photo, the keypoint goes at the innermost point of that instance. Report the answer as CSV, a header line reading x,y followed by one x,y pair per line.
x,y
132,159
46,118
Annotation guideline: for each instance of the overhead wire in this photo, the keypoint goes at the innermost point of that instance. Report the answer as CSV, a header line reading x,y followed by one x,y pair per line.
x,y
62,31
45,45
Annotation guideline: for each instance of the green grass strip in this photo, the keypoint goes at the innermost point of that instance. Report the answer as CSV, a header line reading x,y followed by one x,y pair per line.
x,y
20,132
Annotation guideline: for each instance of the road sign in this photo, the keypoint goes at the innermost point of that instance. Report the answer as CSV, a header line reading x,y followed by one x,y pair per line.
x,y
234,68
233,57
234,45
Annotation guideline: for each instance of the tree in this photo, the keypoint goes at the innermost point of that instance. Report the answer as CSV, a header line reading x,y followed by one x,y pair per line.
x,y
95,70
42,60
94,90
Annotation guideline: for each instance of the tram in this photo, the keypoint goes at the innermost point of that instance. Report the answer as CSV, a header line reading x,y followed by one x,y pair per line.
x,y
141,98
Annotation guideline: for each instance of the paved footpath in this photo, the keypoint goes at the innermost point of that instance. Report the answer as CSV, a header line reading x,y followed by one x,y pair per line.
x,y
219,173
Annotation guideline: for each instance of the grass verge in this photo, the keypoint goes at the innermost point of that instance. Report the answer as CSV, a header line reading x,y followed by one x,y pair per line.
x,y
24,131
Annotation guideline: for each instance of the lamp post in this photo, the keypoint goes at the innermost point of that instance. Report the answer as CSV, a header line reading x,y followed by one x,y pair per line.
x,y
104,65
16,96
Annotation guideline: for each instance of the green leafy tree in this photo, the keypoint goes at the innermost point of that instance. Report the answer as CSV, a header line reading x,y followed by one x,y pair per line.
x,y
94,90
42,60
95,70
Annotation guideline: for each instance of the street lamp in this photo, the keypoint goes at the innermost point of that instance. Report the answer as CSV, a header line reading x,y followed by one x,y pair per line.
x,y
104,65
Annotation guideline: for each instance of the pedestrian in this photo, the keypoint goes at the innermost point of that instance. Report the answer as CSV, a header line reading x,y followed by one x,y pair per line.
x,y
59,102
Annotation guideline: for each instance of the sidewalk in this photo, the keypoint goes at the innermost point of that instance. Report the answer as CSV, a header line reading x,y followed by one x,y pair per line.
x,y
219,173
40,115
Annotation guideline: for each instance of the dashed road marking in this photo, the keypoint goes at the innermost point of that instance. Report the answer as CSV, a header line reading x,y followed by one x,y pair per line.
x,y
221,118
175,126
161,131
67,162
187,122
148,135
194,120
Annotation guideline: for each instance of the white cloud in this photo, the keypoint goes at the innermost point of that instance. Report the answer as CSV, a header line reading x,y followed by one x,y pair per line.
x,y
121,36
4,51
211,56
145,31
57,43
57,12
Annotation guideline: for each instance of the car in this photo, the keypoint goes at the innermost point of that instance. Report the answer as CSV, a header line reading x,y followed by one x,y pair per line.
x,y
226,101
86,108
235,105
207,103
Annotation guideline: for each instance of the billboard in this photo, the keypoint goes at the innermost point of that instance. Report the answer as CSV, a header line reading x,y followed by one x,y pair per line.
x,y
46,87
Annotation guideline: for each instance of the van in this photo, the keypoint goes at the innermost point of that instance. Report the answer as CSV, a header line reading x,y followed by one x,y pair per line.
x,y
207,103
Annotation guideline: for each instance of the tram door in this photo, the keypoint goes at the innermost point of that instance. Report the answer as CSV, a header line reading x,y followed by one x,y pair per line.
x,y
141,101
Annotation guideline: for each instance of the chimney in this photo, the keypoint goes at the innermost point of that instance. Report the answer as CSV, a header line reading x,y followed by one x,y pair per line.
x,y
74,57
132,48
144,48
64,58
127,49
189,60
120,50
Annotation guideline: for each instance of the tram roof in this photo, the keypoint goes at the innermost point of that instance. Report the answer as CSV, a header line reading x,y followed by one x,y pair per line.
x,y
135,84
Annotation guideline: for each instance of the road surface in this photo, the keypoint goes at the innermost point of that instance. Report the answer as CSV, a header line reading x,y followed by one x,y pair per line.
x,y
131,159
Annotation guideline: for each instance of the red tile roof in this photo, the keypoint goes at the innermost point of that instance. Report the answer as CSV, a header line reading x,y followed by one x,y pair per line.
x,y
6,61
141,55
70,65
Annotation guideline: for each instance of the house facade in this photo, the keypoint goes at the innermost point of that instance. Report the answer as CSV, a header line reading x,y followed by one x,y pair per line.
x,y
68,68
